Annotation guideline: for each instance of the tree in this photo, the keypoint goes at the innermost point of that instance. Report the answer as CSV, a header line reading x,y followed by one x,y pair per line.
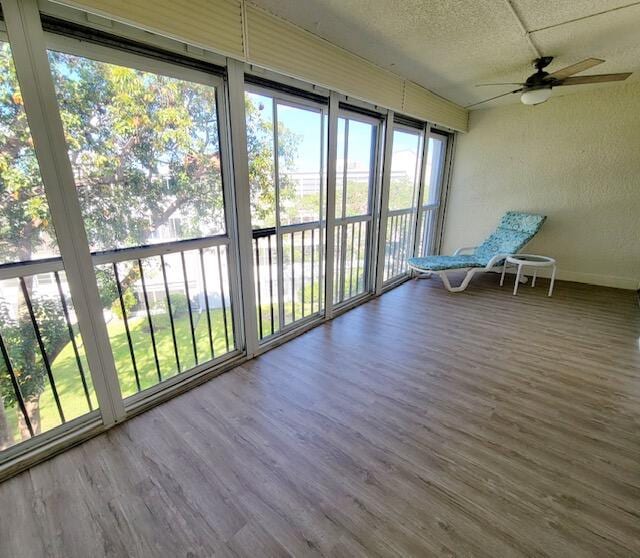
x,y
261,162
145,149
25,228
27,360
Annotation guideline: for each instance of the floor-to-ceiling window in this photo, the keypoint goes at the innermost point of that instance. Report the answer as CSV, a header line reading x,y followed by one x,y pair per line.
x,y
429,212
286,143
404,189
44,376
139,141
356,176
144,140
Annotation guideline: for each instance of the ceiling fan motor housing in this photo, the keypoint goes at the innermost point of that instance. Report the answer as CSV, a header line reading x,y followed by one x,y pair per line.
x,y
539,78
542,62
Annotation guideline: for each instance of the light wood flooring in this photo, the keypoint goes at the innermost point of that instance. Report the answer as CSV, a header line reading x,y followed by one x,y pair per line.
x,y
422,423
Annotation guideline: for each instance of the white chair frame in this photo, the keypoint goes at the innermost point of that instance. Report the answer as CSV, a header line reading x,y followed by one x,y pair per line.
x,y
471,271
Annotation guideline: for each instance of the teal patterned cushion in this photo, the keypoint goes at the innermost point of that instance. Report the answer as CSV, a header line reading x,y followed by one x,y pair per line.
x,y
529,223
513,232
438,263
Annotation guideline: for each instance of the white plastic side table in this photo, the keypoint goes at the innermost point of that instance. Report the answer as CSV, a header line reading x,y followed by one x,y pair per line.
x,y
529,260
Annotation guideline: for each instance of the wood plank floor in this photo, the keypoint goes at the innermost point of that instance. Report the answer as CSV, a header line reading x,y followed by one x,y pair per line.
x,y
420,424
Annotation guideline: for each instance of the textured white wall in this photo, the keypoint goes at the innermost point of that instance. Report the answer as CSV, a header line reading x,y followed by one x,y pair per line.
x,y
574,158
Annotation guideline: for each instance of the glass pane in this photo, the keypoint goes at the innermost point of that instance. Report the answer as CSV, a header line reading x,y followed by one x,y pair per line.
x,y
355,175
145,152
434,169
302,295
405,164
360,170
300,164
26,231
44,376
166,314
288,278
403,193
341,161
259,118
146,156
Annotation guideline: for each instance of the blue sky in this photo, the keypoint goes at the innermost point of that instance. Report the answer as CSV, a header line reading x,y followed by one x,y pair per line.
x,y
306,124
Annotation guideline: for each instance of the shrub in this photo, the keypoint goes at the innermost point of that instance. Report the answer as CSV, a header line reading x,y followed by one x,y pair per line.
x,y
130,301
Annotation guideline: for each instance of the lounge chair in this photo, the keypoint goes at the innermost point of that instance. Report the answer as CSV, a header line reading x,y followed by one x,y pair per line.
x,y
514,231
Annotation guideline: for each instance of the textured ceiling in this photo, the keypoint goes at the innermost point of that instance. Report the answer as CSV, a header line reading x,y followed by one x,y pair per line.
x,y
448,46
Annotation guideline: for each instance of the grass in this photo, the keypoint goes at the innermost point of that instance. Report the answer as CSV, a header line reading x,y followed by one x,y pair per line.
x,y
67,377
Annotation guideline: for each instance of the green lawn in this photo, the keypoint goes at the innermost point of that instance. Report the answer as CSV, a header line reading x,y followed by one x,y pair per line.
x,y
67,377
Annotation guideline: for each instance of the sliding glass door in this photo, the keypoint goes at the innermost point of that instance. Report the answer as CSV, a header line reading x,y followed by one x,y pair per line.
x,y
429,213
119,263
45,380
286,142
356,177
404,190
145,143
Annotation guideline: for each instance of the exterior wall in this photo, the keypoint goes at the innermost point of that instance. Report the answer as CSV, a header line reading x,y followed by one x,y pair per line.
x,y
574,158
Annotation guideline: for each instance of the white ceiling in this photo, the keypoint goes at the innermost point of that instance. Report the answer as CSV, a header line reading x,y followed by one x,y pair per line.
x,y
448,46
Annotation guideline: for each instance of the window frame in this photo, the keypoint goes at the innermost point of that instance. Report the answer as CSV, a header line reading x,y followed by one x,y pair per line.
x,y
110,55
372,216
302,102
228,79
408,126
429,242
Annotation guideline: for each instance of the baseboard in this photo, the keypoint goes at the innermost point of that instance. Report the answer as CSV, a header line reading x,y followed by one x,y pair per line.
x,y
630,283
614,281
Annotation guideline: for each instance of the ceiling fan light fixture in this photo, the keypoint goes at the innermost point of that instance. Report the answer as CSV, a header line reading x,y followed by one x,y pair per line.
x,y
535,96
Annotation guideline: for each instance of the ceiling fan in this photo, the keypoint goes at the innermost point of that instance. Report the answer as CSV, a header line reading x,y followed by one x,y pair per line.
x,y
537,87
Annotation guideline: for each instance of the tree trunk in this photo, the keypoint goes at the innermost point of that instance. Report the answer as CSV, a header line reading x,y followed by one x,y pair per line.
x,y
33,410
6,436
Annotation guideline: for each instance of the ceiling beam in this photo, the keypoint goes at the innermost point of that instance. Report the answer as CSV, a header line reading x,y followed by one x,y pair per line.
x,y
585,17
526,33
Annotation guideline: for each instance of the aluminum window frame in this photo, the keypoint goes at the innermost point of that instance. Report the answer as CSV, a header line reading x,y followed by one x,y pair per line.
x,y
405,125
429,242
287,98
372,216
230,84
121,57
52,441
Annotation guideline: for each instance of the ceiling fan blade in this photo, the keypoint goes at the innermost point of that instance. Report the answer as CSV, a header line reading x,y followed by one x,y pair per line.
x,y
576,68
598,78
506,83
493,98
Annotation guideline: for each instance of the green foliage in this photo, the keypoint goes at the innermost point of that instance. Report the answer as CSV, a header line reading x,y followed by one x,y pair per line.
x,y
20,341
401,193
311,293
262,163
357,198
143,147
130,301
25,224
179,304
107,287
